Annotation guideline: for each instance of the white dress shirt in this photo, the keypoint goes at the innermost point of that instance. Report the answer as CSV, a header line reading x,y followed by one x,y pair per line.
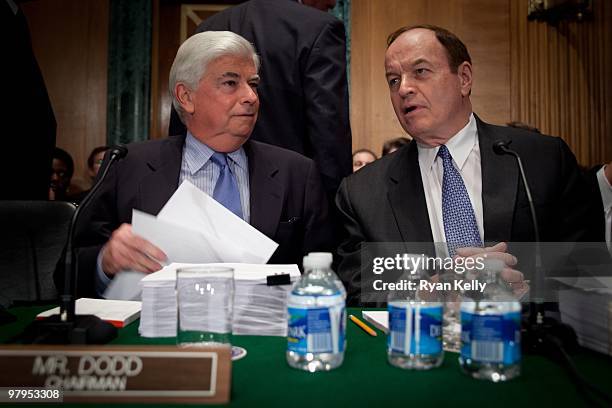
x,y
465,150
606,197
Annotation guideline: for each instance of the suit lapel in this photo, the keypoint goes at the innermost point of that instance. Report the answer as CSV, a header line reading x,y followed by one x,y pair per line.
x,y
157,188
406,196
499,185
265,190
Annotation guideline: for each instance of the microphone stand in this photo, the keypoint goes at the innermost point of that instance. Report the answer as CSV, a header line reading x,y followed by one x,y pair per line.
x,y
536,307
544,335
67,327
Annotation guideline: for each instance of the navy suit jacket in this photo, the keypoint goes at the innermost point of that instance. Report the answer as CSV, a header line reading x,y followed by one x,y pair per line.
x,y
286,198
385,200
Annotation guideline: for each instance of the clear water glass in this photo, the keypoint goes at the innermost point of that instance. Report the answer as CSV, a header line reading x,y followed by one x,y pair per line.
x,y
205,300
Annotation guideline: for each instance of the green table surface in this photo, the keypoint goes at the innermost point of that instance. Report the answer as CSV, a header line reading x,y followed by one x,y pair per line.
x,y
365,379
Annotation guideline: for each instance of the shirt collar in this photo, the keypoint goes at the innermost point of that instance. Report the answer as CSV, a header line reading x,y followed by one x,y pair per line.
x,y
604,188
459,145
197,154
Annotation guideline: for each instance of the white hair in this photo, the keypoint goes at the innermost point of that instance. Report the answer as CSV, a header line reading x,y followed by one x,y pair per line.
x,y
199,50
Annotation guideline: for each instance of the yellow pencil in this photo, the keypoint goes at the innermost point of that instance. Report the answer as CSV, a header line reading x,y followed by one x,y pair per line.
x,y
364,326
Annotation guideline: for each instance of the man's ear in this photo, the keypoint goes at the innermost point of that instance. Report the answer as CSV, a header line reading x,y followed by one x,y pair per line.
x,y
183,96
465,76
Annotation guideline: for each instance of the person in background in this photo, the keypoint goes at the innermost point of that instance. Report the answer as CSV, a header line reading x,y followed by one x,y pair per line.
x,y
604,181
392,145
28,122
304,88
362,157
94,161
62,169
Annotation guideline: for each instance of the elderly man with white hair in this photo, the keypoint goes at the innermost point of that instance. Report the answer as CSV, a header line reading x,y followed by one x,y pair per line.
x,y
213,82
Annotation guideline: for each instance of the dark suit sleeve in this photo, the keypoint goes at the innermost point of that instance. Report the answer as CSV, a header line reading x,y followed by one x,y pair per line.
x,y
581,209
28,132
349,250
326,99
319,234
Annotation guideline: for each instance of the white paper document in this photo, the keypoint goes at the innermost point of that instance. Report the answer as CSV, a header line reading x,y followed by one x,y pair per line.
x,y
599,284
194,228
377,318
125,286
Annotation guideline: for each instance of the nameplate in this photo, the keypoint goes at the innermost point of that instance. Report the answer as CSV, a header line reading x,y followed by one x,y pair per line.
x,y
128,374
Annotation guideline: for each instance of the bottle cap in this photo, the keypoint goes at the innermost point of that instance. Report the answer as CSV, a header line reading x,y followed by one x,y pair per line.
x,y
323,255
311,262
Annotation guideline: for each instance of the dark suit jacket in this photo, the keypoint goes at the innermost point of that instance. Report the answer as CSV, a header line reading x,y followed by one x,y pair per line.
x,y
28,123
286,198
303,92
385,201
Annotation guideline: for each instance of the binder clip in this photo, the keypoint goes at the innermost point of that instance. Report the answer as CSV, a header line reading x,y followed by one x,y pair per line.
x,y
280,279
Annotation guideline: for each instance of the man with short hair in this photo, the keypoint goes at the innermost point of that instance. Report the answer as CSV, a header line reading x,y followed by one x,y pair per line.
x,y
304,92
448,186
213,82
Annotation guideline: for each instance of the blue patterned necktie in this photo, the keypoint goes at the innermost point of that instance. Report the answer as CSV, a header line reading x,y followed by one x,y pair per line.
x,y
460,225
226,190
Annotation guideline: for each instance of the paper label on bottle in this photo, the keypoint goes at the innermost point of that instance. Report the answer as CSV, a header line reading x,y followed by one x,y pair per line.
x,y
316,330
491,338
420,333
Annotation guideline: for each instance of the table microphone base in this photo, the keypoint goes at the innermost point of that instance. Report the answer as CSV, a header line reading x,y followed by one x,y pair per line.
x,y
544,338
85,329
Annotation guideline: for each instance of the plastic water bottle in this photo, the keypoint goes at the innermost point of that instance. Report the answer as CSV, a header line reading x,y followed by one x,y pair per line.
x,y
491,328
415,323
329,259
317,318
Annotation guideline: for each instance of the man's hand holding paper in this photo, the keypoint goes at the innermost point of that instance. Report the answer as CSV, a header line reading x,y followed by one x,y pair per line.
x,y
128,251
194,228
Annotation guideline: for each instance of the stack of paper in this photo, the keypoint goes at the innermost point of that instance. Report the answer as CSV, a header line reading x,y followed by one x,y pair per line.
x,y
119,313
259,309
587,308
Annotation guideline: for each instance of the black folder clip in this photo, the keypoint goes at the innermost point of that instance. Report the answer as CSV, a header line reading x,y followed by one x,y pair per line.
x,y
280,279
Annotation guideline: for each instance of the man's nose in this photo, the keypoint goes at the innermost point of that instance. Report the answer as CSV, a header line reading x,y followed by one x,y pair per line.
x,y
249,95
407,87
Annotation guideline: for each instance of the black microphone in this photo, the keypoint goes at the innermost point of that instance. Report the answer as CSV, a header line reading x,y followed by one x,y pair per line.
x,y
70,277
546,336
67,327
501,148
540,329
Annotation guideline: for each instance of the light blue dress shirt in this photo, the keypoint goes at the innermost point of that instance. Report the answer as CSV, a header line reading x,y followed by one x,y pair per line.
x,y
198,169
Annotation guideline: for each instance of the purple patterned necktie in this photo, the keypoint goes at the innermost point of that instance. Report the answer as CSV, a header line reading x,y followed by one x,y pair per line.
x,y
458,216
